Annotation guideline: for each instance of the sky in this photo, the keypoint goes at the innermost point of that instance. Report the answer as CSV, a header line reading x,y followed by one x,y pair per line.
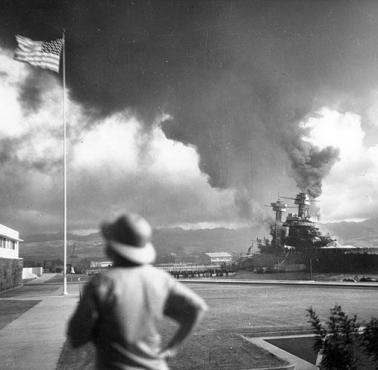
x,y
192,113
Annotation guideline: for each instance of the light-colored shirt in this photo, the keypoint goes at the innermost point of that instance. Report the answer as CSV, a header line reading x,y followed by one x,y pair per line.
x,y
119,311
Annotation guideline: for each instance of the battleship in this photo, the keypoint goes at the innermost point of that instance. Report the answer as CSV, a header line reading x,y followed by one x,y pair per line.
x,y
298,232
297,244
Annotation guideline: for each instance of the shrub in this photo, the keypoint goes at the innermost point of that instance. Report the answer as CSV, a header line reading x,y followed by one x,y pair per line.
x,y
337,340
370,339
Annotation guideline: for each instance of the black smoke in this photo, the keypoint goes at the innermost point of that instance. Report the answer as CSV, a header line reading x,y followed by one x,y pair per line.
x,y
310,165
236,77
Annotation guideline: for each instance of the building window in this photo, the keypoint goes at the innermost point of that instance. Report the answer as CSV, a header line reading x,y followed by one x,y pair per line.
x,y
7,243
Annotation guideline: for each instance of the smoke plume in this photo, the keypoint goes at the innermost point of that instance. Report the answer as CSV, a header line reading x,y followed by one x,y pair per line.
x,y
310,165
235,77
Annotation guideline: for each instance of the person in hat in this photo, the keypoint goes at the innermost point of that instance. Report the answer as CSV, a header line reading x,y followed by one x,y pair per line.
x,y
120,308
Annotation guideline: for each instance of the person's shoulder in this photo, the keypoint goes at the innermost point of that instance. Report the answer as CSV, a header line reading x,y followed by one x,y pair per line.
x,y
155,271
100,280
101,276
182,297
100,286
96,279
157,277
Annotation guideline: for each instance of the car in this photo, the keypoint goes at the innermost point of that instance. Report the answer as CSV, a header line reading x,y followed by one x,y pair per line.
x,y
349,280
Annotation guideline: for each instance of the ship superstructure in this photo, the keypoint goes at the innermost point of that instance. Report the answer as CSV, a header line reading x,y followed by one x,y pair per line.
x,y
297,231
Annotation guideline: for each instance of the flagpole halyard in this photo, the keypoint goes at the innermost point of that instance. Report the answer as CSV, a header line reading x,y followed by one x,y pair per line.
x,y
64,169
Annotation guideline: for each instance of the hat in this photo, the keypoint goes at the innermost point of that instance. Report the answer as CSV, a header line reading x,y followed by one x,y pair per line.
x,y
129,237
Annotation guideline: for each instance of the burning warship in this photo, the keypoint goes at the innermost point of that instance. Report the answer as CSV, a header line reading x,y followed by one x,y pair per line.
x,y
297,232
297,244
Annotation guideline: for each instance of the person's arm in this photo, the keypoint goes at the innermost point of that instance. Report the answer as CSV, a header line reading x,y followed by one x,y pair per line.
x,y
187,309
83,321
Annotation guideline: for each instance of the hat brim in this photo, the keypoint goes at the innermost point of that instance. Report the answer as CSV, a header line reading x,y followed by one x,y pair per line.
x,y
141,255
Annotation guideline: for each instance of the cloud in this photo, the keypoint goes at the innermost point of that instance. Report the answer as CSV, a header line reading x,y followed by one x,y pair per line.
x,y
350,190
372,110
233,82
122,165
115,163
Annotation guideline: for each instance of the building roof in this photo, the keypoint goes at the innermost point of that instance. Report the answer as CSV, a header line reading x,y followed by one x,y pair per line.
x,y
100,261
8,233
10,237
218,254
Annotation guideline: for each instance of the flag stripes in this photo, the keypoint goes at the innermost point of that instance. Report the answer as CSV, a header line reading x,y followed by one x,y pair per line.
x,y
41,54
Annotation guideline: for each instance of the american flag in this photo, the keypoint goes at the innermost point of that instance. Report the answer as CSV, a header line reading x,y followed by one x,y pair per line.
x,y
43,54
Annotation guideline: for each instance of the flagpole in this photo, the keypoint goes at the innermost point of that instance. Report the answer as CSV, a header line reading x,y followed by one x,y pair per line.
x,y
64,170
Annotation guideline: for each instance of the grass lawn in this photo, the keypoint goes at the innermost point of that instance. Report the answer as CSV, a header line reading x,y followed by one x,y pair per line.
x,y
215,351
302,347
249,310
222,351
71,278
11,309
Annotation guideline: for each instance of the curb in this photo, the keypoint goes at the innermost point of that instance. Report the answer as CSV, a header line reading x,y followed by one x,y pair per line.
x,y
284,282
294,361
287,367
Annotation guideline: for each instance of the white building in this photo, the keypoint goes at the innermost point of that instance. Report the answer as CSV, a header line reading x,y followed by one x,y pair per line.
x,y
219,257
100,264
9,242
